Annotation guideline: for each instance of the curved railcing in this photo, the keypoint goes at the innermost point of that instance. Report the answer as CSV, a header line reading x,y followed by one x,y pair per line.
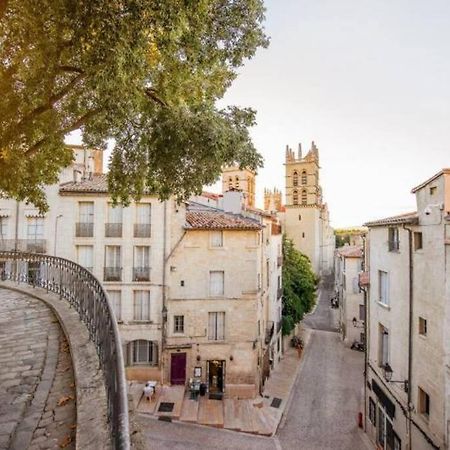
x,y
84,293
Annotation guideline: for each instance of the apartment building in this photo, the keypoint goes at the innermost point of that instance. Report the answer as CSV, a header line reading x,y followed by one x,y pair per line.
x,y
348,266
407,376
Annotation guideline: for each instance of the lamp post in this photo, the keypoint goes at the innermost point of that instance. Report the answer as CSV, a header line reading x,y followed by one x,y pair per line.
x,y
387,369
56,232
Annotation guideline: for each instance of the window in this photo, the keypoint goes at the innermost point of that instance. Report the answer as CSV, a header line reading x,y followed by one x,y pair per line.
x,y
304,177
35,228
422,326
178,324
394,243
143,352
142,305
433,190
85,254
216,283
141,267
112,267
267,273
303,235
372,411
85,225
383,288
295,198
418,240
299,217
217,238
362,312
115,299
424,403
295,179
113,227
304,197
355,285
237,182
383,356
216,326
3,227
142,227
386,437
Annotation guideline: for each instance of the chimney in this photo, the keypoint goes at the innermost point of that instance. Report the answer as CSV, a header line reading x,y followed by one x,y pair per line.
x,y
299,150
233,202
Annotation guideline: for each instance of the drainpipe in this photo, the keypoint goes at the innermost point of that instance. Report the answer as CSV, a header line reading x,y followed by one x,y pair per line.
x,y
366,328
16,229
164,307
411,319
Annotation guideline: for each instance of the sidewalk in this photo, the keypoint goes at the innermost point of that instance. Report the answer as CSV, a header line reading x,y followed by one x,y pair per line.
x,y
260,416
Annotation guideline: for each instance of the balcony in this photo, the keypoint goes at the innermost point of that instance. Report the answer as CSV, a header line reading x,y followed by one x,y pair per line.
x,y
84,229
113,230
112,274
24,245
279,261
142,230
141,273
269,332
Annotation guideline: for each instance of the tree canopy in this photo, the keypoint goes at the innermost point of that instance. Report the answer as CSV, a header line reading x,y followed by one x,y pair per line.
x,y
299,285
146,73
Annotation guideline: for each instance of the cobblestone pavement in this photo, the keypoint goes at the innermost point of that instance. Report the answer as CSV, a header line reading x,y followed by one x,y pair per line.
x,y
35,375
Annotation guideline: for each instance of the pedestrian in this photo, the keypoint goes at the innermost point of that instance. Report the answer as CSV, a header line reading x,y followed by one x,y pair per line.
x,y
149,391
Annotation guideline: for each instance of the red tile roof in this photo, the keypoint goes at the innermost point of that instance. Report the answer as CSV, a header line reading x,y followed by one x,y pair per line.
x,y
218,220
411,218
350,251
211,195
98,183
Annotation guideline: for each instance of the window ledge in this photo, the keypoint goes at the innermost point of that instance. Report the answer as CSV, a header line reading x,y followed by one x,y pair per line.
x,y
383,305
140,322
423,336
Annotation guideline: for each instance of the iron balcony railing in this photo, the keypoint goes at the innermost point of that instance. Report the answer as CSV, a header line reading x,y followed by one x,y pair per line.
x,y
142,230
112,274
113,230
86,295
269,332
141,273
84,229
24,245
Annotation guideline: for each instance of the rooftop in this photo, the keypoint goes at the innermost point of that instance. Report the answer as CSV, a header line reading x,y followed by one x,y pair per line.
x,y
209,219
98,183
350,251
441,172
410,218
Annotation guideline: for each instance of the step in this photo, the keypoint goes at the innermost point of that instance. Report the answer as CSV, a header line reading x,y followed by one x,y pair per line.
x,y
189,411
210,412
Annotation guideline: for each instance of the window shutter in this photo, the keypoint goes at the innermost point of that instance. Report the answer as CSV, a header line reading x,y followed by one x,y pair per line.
x,y
216,280
211,326
220,325
137,306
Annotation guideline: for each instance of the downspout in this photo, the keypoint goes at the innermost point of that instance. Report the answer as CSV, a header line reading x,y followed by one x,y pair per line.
x,y
366,337
16,229
410,337
164,287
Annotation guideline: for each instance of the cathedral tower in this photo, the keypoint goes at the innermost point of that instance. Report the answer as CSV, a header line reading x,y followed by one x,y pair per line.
x,y
243,180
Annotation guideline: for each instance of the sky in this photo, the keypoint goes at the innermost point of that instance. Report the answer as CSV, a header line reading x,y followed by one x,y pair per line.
x,y
369,82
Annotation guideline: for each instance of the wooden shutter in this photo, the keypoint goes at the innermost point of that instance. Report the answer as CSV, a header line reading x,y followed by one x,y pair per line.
x,y
216,280
212,326
220,334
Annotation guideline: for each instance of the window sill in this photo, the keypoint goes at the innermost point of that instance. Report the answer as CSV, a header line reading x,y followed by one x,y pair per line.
x,y
211,247
383,305
423,336
140,322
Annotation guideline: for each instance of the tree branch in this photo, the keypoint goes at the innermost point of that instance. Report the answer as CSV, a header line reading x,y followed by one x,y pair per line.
x,y
151,93
3,5
72,127
70,69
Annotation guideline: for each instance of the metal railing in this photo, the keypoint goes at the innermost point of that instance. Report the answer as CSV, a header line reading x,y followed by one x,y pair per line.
x,y
142,230
112,274
84,229
113,230
86,295
141,273
24,245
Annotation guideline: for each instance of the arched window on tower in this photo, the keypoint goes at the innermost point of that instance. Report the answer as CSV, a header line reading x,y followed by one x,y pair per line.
x,y
295,197
304,197
304,177
295,178
230,183
237,182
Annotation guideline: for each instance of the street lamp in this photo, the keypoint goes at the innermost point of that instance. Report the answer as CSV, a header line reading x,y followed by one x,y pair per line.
x,y
387,369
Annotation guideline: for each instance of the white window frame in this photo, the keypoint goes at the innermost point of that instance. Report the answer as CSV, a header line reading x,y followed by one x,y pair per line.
x,y
115,213
216,238
178,324
216,289
86,212
216,326
141,305
35,228
115,296
141,347
383,288
85,256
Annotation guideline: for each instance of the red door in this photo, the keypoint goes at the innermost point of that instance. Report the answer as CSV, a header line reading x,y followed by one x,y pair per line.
x,y
178,368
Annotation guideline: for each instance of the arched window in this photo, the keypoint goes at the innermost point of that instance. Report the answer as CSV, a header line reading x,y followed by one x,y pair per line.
x,y
295,198
230,183
304,197
237,182
304,177
295,178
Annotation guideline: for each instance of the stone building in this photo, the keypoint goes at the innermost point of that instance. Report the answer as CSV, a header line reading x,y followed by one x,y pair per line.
x,y
348,266
306,219
407,378
244,180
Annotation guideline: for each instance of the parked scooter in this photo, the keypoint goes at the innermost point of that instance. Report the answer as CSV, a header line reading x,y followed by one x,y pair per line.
x,y
359,346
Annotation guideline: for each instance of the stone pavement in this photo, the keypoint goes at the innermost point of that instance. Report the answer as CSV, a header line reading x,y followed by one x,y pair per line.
x,y
30,356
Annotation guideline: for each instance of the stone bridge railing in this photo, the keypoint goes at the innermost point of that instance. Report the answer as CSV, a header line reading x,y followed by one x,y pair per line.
x,y
86,295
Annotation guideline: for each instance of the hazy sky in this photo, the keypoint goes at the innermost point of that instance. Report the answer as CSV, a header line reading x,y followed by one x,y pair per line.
x,y
369,82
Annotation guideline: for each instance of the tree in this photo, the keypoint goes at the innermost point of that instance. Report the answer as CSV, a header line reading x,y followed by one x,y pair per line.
x,y
299,285
146,73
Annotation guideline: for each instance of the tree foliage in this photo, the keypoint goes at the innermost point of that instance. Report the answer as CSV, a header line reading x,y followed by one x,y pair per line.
x,y
299,285
146,73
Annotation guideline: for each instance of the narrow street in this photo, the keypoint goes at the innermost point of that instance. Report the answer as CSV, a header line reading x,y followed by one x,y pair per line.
x,y
328,391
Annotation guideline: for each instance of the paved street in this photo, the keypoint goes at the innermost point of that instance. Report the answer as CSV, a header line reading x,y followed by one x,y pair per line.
x,y
323,409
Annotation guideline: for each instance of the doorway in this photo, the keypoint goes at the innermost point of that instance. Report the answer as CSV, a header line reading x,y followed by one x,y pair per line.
x,y
216,372
178,368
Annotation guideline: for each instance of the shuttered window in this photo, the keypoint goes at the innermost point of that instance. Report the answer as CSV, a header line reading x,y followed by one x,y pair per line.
x,y
217,238
143,213
216,326
216,283
142,305
143,352
86,256
86,210
141,256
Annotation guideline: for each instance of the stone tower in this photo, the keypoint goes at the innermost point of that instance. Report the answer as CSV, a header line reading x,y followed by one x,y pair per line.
x,y
272,200
242,180
303,218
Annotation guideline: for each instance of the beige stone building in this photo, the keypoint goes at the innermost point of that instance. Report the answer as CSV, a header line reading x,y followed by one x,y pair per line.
x,y
407,374
348,266
243,180
306,219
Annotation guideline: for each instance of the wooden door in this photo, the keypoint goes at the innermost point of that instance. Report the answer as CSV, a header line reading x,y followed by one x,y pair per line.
x,y
178,368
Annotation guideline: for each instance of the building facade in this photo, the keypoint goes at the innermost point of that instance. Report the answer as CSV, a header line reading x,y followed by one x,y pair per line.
x,y
407,375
